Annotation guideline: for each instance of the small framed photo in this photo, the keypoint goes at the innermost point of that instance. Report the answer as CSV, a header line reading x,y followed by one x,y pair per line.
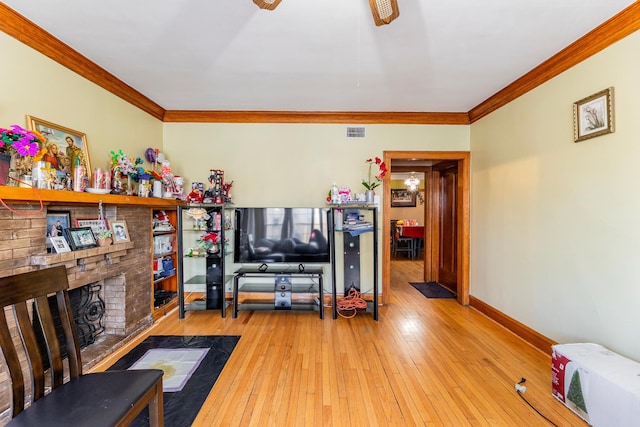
x,y
95,224
81,238
593,115
120,232
403,199
59,244
57,222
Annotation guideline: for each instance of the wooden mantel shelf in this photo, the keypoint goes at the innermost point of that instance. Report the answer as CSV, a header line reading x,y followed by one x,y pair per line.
x,y
32,195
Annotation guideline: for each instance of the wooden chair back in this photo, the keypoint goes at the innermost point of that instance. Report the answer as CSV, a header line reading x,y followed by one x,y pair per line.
x,y
25,297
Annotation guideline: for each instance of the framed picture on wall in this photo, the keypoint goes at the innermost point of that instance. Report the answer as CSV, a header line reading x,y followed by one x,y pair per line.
x,y
403,198
64,146
593,115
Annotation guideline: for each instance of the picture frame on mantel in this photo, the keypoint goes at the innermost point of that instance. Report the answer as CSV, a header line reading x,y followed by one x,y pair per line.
x,y
59,244
593,115
64,145
81,238
120,232
57,222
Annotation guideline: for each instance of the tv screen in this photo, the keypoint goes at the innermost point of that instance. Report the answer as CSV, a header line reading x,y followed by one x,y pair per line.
x,y
281,235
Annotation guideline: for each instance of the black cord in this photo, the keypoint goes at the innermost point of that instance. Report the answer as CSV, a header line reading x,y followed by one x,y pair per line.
x,y
531,406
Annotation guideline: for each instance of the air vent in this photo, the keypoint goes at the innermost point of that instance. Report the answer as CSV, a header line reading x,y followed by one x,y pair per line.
x,y
355,131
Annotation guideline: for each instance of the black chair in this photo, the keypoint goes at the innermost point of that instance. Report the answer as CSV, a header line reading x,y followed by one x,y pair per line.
x,y
400,244
111,398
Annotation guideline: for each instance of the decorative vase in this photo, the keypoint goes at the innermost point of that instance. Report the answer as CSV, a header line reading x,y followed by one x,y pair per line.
x,y
130,191
26,181
104,241
369,196
5,168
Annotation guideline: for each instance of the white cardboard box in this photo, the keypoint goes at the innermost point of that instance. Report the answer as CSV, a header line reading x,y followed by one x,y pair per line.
x,y
602,387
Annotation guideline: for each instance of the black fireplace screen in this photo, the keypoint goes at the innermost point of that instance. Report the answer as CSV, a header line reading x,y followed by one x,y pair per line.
x,y
88,312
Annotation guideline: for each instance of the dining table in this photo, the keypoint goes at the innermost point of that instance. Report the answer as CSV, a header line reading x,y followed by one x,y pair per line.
x,y
416,233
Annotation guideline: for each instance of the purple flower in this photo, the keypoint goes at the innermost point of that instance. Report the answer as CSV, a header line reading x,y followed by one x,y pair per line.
x,y
26,148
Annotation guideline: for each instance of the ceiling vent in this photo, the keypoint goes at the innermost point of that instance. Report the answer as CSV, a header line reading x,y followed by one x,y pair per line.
x,y
355,131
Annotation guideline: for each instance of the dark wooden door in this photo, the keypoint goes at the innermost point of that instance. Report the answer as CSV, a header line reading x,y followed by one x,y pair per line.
x,y
448,262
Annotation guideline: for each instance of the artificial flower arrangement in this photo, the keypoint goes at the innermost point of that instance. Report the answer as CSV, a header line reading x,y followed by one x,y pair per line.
x,y
125,166
23,142
129,168
103,233
206,243
374,180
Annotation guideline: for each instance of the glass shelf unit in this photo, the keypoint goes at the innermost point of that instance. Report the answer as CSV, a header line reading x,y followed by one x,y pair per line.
x,y
202,271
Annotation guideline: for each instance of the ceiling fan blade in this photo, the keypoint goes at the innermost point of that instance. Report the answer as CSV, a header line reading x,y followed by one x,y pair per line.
x,y
384,11
267,4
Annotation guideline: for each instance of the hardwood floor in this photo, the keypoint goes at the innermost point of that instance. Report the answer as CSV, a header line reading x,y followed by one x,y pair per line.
x,y
425,362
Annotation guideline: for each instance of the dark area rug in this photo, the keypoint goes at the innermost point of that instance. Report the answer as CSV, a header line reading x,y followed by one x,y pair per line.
x,y
432,290
182,407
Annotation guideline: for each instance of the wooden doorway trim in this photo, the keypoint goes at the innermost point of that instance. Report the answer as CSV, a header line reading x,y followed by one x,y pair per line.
x,y
463,158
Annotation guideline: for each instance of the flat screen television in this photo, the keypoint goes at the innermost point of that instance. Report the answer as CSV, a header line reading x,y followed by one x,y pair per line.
x,y
281,235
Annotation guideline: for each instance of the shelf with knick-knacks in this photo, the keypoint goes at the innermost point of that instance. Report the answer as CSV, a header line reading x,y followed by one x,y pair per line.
x,y
202,245
165,273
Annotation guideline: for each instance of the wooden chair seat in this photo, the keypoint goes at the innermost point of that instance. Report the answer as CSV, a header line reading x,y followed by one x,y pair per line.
x,y
112,398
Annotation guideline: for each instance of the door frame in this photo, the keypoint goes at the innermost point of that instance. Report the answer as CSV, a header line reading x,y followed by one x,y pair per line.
x,y
462,216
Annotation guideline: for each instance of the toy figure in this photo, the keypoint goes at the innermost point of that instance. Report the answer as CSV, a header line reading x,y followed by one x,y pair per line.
x,y
195,196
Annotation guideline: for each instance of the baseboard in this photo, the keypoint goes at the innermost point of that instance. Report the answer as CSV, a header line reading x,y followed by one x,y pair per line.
x,y
534,338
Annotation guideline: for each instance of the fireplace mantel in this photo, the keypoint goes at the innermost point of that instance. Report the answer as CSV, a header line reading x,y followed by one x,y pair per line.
x,y
32,195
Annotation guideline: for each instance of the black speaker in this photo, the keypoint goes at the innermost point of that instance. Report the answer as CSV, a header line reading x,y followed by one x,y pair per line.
x,y
351,263
215,287
282,292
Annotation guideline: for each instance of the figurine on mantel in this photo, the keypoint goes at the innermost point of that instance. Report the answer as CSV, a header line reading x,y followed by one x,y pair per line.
x,y
173,185
219,191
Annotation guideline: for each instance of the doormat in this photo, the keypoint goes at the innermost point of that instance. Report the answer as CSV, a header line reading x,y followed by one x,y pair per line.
x,y
432,290
191,366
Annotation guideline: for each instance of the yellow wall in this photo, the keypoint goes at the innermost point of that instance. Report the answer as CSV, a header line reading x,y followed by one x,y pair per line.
x,y
294,165
32,84
555,235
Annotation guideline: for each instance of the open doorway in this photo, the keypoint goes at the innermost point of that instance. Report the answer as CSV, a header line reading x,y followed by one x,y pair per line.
x,y
437,185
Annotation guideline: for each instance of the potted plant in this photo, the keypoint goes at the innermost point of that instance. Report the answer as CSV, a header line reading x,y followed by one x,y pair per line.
x,y
104,237
374,180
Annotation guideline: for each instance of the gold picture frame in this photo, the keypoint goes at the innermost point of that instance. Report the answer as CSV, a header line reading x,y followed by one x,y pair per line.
x,y
68,144
593,115
120,232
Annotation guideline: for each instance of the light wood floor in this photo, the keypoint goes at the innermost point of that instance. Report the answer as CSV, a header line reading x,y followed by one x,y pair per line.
x,y
425,362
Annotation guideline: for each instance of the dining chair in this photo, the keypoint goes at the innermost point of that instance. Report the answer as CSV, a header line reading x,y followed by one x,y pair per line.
x,y
48,386
401,244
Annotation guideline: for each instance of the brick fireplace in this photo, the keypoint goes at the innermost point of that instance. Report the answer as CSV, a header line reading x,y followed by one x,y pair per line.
x,y
124,270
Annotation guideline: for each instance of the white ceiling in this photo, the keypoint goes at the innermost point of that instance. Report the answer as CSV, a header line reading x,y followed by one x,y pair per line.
x,y
317,55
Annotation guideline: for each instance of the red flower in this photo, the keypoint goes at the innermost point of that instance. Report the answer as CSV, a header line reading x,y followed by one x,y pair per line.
x,y
374,180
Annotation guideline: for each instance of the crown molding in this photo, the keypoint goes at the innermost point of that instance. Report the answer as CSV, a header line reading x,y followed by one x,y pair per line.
x,y
347,117
609,32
